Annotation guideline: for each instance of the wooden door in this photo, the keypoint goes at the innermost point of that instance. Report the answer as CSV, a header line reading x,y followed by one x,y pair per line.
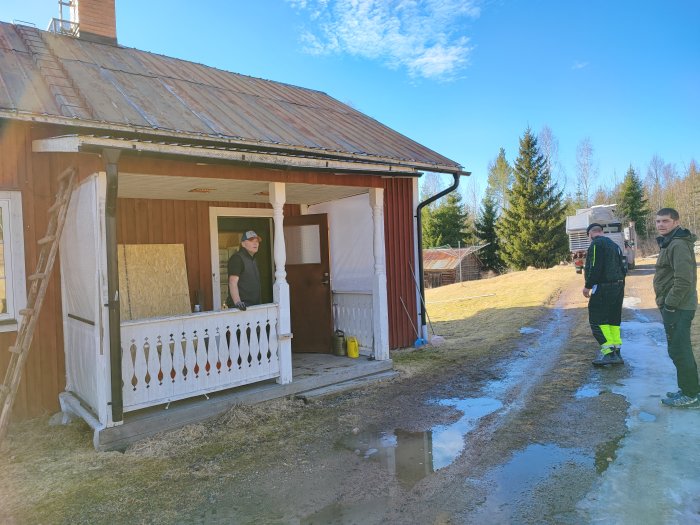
x,y
308,274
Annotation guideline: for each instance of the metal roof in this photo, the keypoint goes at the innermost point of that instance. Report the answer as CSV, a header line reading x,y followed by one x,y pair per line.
x,y
62,79
435,259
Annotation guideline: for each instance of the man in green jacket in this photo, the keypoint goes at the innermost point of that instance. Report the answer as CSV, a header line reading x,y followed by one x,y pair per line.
x,y
675,285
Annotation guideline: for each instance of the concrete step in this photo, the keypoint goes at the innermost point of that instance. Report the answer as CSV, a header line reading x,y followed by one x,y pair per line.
x,y
347,385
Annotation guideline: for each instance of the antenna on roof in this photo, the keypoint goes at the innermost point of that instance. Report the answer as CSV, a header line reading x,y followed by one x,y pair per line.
x,y
64,24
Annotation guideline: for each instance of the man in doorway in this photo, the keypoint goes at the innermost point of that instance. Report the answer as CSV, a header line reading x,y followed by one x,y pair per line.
x,y
244,287
675,286
604,288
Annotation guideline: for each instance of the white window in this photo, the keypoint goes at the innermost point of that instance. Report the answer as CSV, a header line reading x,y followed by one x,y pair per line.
x,y
13,294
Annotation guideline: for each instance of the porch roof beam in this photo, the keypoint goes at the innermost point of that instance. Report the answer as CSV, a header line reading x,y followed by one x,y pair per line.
x,y
91,144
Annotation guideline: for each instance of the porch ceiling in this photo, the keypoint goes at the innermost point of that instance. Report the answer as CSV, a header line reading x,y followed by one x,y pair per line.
x,y
140,186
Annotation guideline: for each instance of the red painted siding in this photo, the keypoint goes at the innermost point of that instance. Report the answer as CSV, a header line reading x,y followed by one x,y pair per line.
x,y
400,242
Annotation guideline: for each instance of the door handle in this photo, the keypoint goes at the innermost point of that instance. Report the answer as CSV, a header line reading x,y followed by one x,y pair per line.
x,y
326,278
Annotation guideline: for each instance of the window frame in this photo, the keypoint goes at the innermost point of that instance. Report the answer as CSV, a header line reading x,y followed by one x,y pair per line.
x,y
15,275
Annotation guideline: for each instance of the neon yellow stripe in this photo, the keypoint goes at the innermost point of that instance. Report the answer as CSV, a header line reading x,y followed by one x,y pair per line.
x,y
594,247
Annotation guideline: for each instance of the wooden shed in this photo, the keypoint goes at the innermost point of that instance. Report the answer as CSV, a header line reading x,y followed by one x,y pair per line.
x,y
442,266
174,160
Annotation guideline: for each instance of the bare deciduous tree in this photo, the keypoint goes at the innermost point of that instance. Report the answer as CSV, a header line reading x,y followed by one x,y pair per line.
x,y
586,170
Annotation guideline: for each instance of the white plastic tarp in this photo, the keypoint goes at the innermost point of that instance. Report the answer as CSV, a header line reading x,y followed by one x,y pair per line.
x,y
351,242
80,292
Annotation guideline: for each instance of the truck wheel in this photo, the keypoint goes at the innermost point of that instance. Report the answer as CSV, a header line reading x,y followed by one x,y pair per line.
x,y
579,270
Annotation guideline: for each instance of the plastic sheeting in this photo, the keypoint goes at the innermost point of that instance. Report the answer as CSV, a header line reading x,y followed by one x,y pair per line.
x,y
351,245
81,275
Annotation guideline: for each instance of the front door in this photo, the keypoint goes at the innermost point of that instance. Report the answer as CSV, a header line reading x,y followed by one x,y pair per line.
x,y
308,274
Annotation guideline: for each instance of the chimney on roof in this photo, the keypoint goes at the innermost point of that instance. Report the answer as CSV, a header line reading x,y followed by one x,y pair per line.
x,y
96,20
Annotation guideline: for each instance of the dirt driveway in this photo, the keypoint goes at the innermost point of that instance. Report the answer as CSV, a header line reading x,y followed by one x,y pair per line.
x,y
519,434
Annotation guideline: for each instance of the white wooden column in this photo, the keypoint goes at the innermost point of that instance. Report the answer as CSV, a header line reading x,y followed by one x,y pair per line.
x,y
280,289
380,311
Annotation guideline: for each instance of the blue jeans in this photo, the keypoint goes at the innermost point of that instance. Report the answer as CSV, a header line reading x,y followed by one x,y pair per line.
x,y
677,326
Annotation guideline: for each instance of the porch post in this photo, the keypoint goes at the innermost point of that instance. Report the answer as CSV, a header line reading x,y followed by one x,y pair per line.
x,y
111,157
280,289
380,311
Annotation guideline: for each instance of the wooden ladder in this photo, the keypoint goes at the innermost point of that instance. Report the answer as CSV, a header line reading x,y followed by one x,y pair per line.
x,y
39,282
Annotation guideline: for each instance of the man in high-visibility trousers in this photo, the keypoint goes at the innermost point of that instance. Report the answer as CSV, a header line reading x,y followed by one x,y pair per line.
x,y
604,288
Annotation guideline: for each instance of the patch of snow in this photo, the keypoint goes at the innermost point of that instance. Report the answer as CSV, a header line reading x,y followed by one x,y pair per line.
x,y
631,302
655,476
528,330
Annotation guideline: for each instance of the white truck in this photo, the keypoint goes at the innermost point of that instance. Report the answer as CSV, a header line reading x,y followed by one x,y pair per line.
x,y
604,214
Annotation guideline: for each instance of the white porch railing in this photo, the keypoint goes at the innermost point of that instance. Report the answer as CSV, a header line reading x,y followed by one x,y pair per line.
x,y
166,359
353,315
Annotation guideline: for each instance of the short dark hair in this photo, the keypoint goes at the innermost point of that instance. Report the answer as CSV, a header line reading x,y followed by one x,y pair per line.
x,y
670,212
594,227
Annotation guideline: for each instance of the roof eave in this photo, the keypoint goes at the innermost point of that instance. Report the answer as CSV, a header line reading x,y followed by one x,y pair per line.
x,y
231,142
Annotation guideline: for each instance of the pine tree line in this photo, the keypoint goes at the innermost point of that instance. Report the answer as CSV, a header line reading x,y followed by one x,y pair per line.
x,y
522,216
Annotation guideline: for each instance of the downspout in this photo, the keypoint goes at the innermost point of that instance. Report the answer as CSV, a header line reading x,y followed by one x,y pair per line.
x,y
419,227
111,156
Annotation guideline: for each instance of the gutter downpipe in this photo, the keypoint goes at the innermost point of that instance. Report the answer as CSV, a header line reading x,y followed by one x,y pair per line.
x,y
419,227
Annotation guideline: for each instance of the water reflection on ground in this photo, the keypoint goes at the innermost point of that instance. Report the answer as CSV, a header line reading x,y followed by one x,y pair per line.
x,y
410,456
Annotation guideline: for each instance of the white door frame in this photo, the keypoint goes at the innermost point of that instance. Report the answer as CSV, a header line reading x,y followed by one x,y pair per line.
x,y
214,214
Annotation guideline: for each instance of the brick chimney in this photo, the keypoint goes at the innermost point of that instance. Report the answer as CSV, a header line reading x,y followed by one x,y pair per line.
x,y
96,19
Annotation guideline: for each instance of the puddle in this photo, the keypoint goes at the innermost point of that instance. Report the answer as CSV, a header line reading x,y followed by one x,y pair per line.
x,y
587,391
366,512
646,417
410,456
515,480
606,453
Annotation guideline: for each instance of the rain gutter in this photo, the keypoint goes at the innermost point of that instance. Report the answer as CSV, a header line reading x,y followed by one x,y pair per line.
x,y
419,227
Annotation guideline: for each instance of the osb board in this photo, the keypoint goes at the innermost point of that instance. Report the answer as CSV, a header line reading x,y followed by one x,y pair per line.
x,y
152,280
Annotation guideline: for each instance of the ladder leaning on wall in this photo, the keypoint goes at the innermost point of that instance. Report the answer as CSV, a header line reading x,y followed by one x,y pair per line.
x,y
39,281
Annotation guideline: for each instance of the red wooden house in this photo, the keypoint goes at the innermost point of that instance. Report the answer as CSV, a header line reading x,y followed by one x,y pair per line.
x,y
177,159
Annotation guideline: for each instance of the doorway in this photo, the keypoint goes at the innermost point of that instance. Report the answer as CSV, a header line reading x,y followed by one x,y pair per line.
x,y
308,275
227,228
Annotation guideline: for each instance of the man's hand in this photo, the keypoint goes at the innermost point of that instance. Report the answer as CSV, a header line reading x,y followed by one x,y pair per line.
x,y
586,292
240,305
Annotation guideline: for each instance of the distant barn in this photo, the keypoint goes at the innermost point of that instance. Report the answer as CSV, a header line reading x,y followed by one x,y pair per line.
x,y
442,266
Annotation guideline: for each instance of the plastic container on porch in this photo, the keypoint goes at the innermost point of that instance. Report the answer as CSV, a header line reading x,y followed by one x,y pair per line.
x,y
353,347
338,342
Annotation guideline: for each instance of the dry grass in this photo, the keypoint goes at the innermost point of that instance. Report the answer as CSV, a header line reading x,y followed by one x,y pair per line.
x,y
475,317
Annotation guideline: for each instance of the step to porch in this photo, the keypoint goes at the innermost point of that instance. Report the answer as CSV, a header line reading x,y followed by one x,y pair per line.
x,y
313,373
347,385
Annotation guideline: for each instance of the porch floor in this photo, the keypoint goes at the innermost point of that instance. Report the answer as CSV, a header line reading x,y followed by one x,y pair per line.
x,y
313,374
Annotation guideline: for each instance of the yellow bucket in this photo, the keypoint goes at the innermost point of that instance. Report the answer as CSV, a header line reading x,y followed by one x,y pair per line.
x,y
353,347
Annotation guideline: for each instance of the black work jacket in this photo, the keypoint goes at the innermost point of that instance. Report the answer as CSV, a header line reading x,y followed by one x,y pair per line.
x,y
604,262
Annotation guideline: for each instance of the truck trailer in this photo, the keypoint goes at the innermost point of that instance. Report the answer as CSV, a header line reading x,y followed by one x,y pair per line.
x,y
605,215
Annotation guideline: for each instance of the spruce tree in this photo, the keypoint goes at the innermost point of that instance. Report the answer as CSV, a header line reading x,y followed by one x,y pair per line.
x,y
445,224
531,230
500,179
633,206
485,227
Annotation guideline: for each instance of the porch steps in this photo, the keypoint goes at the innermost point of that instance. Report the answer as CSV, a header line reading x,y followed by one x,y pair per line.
x,y
347,385
311,372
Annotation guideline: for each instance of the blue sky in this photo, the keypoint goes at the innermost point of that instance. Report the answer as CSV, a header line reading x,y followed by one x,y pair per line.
x,y
465,78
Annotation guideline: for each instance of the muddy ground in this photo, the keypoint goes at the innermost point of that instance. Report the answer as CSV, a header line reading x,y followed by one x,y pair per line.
x,y
500,437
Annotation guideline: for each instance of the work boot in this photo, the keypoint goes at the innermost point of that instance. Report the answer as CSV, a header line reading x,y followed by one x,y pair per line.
x,y
682,401
605,359
617,358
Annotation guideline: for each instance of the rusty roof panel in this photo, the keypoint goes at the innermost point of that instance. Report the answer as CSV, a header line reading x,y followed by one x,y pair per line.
x,y
446,258
122,86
